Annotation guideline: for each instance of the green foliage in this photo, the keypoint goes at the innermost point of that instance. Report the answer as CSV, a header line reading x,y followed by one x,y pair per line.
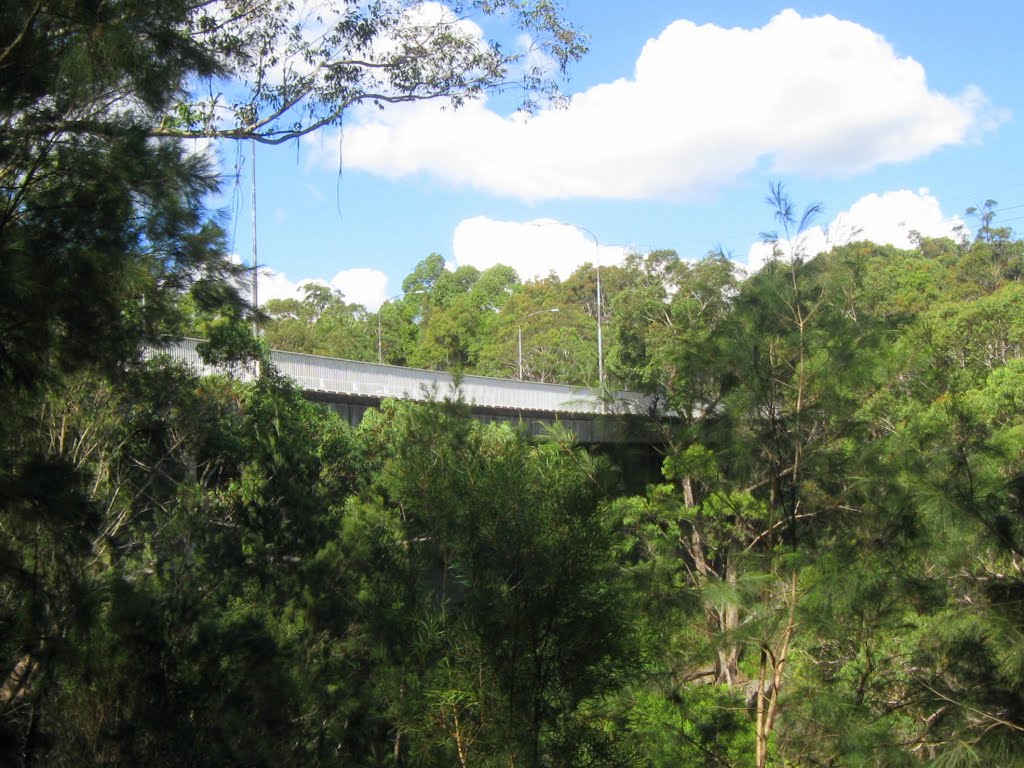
x,y
518,614
696,726
101,228
323,323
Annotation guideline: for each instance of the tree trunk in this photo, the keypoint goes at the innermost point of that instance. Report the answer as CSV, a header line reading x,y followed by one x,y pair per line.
x,y
728,619
773,661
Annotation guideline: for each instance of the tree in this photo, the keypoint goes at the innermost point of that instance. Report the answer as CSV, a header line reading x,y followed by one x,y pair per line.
x,y
102,234
767,375
956,445
90,83
202,604
664,326
322,323
557,346
101,229
425,274
513,616
286,71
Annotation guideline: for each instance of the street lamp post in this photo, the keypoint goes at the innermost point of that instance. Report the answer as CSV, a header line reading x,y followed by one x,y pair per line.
x,y
538,312
380,346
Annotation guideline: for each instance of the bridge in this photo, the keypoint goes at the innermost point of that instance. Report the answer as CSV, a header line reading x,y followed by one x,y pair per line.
x,y
351,387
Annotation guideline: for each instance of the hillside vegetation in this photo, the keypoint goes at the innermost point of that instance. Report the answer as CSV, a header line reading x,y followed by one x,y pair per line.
x,y
211,572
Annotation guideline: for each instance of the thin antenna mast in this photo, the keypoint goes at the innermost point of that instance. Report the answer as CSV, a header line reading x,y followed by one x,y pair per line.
x,y
255,260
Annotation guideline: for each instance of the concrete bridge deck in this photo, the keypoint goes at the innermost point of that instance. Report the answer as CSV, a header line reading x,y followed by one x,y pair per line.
x,y
351,387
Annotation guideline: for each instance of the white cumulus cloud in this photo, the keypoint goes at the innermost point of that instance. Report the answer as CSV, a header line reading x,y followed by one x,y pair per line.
x,y
704,105
360,286
886,219
534,249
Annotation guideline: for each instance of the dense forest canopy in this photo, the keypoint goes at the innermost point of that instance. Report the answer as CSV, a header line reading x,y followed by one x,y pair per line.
x,y
210,571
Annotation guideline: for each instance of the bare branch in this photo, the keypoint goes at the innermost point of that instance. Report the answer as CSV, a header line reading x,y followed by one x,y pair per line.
x,y
22,32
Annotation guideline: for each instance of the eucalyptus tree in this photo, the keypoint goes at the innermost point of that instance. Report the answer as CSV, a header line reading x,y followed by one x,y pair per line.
x,y
289,69
558,346
322,323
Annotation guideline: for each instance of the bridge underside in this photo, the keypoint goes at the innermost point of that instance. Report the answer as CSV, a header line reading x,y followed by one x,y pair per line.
x,y
589,429
634,444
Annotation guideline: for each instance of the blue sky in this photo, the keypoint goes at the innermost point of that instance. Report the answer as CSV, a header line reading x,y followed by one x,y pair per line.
x,y
894,115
